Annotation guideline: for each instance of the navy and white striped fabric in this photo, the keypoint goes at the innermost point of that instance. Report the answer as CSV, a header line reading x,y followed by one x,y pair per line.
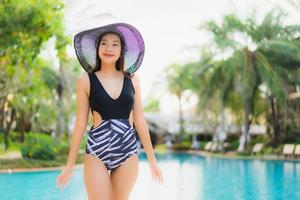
x,y
113,141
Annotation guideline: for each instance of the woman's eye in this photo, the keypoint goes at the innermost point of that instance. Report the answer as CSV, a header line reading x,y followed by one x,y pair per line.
x,y
115,45
103,43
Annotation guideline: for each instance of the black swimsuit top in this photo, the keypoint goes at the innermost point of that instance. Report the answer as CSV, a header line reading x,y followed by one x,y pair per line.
x,y
108,107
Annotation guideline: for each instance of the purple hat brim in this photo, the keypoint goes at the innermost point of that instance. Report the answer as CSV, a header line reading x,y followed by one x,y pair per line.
x,y
85,44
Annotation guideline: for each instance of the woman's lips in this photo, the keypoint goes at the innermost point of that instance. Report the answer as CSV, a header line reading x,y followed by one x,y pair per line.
x,y
108,55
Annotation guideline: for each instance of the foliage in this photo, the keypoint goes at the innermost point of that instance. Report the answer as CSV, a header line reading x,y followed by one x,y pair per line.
x,y
152,106
232,146
185,145
161,147
278,150
36,163
25,28
178,80
244,153
250,64
39,146
267,150
260,139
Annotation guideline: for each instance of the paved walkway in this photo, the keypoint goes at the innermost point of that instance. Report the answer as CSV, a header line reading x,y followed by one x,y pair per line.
x,y
11,155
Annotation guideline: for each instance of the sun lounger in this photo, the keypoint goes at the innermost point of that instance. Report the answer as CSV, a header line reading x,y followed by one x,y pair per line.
x,y
214,146
288,150
208,146
297,150
257,148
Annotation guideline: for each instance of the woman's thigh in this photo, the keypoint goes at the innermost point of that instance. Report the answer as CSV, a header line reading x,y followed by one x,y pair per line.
x,y
124,177
96,179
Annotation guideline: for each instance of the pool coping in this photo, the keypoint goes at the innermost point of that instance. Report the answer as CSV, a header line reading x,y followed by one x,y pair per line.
x,y
36,169
195,152
229,155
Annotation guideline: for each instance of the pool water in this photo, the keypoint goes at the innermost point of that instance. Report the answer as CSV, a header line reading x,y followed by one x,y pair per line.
x,y
187,177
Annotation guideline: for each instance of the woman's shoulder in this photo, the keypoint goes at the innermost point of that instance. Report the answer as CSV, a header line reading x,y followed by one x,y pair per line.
x,y
135,77
83,81
135,80
83,77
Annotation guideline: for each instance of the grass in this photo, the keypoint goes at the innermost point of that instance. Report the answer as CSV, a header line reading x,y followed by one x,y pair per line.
x,y
36,163
12,147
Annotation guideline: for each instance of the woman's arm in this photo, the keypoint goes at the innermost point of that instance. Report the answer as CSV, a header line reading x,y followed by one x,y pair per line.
x,y
140,121
82,112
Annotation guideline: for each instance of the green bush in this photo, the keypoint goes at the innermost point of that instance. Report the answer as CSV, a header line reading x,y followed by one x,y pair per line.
x,y
39,146
278,150
259,139
232,146
14,136
202,145
1,137
267,150
185,145
161,147
63,148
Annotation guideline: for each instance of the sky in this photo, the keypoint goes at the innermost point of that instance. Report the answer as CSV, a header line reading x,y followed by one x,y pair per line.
x,y
170,29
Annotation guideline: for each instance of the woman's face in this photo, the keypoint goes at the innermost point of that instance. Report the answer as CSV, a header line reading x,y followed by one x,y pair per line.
x,y
109,48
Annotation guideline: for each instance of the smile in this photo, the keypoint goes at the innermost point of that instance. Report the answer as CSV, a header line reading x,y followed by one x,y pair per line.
x,y
108,55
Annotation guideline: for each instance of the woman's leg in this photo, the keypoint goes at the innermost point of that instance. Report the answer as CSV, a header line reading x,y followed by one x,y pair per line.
x,y
96,179
124,177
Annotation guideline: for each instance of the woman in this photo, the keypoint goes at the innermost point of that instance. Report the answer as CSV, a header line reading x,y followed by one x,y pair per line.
x,y
114,97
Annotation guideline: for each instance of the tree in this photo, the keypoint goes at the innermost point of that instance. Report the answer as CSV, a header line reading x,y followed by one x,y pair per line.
x,y
177,84
23,31
250,61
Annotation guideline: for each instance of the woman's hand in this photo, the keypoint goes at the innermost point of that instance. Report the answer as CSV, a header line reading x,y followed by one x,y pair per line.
x,y
156,173
64,177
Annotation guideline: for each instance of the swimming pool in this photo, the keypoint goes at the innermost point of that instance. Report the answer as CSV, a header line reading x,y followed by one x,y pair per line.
x,y
187,177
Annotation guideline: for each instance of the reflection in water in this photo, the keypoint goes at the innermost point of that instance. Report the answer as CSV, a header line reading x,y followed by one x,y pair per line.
x,y
190,177
182,175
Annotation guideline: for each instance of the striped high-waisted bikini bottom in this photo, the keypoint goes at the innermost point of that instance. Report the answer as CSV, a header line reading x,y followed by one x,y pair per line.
x,y
113,141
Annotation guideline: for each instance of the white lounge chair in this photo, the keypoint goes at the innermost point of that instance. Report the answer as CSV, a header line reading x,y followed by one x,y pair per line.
x,y
214,146
297,150
257,148
208,146
288,150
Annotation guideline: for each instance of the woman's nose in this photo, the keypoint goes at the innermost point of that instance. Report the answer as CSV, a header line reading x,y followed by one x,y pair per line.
x,y
109,48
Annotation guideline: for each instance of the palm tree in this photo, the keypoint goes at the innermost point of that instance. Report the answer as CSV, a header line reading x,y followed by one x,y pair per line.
x,y
177,84
209,85
249,61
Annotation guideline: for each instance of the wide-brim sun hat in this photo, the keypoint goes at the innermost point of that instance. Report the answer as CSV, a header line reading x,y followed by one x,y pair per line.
x,y
85,44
